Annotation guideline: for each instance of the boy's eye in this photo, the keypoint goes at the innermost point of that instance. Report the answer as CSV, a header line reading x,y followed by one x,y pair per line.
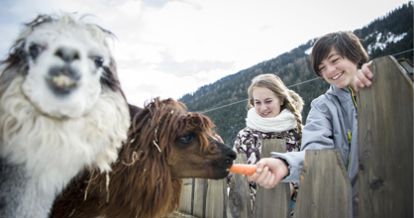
x,y
321,69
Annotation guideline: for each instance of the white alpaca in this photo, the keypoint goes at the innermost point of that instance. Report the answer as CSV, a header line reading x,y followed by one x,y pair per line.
x,y
61,110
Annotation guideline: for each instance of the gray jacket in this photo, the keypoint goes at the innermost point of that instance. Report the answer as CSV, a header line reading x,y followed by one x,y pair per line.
x,y
331,123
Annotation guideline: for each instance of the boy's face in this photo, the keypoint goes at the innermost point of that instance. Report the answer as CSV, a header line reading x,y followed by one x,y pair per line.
x,y
337,70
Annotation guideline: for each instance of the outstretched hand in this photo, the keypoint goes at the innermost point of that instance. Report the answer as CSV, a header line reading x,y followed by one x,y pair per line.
x,y
363,77
270,171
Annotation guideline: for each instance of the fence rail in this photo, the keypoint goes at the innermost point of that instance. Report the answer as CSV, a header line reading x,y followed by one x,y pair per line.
x,y
385,178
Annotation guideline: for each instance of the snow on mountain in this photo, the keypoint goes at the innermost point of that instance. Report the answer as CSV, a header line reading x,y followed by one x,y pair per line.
x,y
382,40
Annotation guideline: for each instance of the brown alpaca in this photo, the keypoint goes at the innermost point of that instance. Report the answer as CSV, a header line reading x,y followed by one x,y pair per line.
x,y
165,144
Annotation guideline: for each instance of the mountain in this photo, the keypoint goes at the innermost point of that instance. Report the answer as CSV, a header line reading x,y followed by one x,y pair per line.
x,y
225,101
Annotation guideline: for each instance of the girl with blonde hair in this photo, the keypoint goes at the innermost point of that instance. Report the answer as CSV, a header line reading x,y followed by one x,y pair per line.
x,y
275,113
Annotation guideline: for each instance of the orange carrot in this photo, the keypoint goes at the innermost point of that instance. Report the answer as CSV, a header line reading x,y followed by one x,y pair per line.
x,y
245,169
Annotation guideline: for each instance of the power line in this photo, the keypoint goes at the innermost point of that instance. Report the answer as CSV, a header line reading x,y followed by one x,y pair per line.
x,y
233,103
223,106
300,83
406,51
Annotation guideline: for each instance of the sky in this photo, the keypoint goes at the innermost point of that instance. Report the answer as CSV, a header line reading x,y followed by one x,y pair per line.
x,y
168,48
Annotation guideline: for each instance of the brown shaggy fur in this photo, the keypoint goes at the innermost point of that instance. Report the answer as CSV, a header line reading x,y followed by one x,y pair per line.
x,y
165,143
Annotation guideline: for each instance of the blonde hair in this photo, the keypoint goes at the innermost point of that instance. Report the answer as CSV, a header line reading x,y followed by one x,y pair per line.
x,y
291,100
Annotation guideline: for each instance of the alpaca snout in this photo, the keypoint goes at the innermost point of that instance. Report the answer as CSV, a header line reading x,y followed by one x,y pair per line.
x,y
63,80
68,55
231,156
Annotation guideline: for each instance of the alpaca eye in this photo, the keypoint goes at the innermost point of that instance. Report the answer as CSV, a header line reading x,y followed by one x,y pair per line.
x,y
34,50
98,60
186,139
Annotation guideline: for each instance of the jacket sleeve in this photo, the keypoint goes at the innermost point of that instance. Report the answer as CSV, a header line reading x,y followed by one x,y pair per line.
x,y
295,160
317,134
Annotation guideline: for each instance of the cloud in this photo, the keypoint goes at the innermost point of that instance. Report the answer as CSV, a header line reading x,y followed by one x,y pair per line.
x,y
171,47
162,3
169,65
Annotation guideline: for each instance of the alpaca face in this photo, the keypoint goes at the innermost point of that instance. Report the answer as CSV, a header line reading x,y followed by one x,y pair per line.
x,y
193,157
65,62
200,153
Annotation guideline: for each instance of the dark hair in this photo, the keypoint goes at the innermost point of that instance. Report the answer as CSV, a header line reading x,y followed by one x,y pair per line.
x,y
347,44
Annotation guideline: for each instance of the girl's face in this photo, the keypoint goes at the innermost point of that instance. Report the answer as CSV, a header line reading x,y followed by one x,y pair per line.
x,y
337,70
266,103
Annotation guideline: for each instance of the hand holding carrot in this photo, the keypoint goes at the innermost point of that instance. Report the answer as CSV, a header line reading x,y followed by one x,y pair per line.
x,y
270,171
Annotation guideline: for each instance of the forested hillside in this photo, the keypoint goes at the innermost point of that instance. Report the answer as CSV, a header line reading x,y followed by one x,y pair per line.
x,y
225,101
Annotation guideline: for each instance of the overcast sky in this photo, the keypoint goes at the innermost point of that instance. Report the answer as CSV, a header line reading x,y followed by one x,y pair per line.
x,y
169,48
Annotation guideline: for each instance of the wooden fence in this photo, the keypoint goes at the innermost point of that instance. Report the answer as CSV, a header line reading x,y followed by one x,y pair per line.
x,y
385,178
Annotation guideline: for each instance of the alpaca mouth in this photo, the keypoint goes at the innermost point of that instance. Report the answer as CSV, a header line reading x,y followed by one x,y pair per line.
x,y
63,80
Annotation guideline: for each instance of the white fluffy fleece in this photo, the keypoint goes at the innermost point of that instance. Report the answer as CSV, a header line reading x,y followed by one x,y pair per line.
x,y
52,150
61,110
47,145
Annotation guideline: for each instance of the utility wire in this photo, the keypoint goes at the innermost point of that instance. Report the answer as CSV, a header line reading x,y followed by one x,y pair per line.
x,y
244,100
223,106
406,51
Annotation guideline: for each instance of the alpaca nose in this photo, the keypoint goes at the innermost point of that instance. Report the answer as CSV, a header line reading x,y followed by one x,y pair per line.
x,y
67,54
231,156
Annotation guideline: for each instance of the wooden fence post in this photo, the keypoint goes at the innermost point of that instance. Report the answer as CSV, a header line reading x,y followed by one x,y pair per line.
x,y
186,200
385,136
325,189
199,192
239,199
272,202
215,206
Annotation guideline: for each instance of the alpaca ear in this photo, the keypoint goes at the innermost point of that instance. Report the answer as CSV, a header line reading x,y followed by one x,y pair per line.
x,y
40,19
15,64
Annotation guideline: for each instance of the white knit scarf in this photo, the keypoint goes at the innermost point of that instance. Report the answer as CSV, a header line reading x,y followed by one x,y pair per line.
x,y
285,120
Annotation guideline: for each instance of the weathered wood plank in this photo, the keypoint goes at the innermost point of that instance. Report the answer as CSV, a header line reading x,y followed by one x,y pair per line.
x,y
273,202
239,200
185,197
385,180
200,190
215,207
325,190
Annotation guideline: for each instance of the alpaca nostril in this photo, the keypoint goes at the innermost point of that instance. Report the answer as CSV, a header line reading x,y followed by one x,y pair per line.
x,y
229,161
67,54
233,155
